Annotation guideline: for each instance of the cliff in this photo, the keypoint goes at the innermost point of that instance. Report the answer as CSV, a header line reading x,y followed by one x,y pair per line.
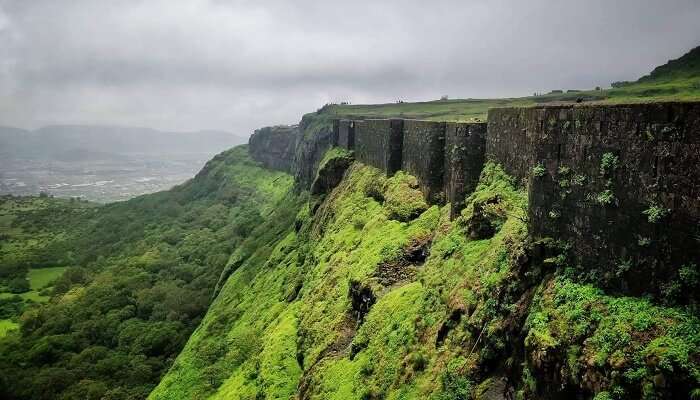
x,y
275,146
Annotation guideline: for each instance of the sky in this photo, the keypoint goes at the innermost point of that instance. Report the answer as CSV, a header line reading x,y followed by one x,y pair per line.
x,y
238,65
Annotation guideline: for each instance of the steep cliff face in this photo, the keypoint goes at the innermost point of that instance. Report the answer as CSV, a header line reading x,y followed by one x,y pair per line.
x,y
274,146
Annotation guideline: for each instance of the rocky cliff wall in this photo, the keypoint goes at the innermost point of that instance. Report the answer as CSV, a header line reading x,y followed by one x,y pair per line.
x,y
619,183
274,146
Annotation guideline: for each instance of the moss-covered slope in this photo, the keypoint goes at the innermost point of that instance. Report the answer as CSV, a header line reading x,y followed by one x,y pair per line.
x,y
369,293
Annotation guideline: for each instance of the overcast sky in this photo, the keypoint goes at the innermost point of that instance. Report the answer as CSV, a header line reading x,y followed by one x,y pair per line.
x,y
238,65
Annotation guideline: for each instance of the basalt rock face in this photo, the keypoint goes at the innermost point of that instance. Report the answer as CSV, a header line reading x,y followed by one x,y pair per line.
x,y
274,146
310,149
330,174
618,183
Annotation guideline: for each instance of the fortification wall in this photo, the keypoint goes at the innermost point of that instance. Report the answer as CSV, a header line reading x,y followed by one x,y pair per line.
x,y
465,144
346,134
618,182
274,146
379,142
423,155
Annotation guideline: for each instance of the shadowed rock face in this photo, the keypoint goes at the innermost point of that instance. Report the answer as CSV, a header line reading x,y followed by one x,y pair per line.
x,y
619,183
274,146
330,174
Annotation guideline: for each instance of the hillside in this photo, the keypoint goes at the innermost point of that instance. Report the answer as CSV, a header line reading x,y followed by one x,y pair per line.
x,y
139,276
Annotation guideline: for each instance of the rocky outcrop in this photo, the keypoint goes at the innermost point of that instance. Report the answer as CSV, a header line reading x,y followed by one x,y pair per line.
x,y
274,146
311,146
330,173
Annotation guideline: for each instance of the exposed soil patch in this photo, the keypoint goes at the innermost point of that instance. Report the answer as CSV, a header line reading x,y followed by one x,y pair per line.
x,y
362,299
404,268
484,222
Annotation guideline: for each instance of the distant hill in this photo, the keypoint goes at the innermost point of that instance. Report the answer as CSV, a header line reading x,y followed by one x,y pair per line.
x,y
59,141
686,66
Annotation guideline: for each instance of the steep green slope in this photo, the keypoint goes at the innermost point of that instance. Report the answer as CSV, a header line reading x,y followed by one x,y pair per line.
x,y
139,277
371,294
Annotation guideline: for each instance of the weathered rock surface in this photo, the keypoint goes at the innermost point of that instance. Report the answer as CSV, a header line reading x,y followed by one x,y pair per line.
x,y
274,146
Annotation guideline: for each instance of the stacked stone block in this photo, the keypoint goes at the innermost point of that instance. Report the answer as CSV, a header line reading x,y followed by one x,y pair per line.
x,y
379,142
617,182
423,156
465,145
346,134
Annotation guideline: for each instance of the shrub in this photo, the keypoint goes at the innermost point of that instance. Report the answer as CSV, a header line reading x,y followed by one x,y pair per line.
x,y
538,170
606,197
18,285
655,213
608,163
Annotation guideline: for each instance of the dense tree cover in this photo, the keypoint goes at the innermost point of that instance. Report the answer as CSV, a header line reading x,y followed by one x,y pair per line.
x,y
140,276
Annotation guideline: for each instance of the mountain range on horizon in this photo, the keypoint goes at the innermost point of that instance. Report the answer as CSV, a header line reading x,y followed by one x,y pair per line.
x,y
77,142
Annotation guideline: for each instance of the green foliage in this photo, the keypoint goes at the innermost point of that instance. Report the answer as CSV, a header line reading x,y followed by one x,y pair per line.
x,y
538,170
608,163
18,285
629,335
655,213
403,200
606,197
142,275
455,386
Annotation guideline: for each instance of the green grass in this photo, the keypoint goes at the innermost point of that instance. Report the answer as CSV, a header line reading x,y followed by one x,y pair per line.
x,y
469,110
40,278
7,325
677,81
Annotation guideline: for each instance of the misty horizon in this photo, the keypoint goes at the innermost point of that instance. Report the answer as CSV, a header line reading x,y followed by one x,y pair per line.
x,y
211,65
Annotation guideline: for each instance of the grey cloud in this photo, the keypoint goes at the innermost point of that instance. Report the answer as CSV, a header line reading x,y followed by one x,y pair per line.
x,y
236,65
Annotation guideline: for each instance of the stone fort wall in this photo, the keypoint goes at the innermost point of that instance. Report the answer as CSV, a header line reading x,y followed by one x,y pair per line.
x,y
446,158
618,183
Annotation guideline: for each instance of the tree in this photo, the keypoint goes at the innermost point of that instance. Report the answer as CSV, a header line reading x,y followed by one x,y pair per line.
x,y
18,285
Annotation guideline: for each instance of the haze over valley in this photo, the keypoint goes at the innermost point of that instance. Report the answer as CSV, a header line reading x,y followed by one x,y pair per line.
x,y
103,163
